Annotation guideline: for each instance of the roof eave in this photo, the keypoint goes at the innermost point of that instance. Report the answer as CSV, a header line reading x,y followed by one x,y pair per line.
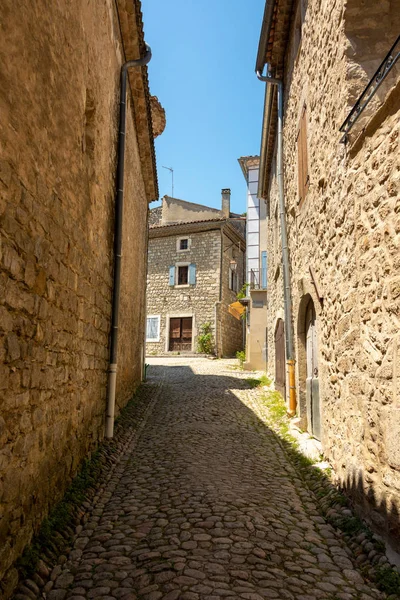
x,y
132,34
195,227
272,51
264,35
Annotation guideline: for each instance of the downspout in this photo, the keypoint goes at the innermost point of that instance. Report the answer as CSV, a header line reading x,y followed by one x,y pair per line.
x,y
287,300
119,203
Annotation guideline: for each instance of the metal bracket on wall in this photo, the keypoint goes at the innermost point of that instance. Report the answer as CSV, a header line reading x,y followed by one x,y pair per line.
x,y
316,284
383,70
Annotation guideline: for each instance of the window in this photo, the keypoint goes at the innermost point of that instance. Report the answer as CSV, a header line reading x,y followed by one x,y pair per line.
x,y
233,279
153,328
182,244
183,275
302,157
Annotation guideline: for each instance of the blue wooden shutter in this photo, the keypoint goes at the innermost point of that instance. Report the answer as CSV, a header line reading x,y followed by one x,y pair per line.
x,y
192,274
264,270
172,275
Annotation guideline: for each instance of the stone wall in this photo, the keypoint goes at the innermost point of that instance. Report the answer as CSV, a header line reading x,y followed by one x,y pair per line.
x,y
232,333
208,300
59,89
348,231
194,300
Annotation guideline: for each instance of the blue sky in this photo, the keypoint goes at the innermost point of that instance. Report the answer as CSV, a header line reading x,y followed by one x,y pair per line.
x,y
202,71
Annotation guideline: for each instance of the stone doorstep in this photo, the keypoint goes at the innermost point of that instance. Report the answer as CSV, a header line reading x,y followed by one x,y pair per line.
x,y
308,445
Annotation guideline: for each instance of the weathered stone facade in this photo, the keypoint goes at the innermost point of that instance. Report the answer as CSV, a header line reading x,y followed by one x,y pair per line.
x,y
347,232
59,91
212,245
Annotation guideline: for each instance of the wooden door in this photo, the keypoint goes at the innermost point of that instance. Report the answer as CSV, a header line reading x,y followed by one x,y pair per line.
x,y
312,381
180,334
280,363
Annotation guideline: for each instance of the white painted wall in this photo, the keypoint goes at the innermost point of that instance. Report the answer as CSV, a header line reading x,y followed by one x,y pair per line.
x,y
253,226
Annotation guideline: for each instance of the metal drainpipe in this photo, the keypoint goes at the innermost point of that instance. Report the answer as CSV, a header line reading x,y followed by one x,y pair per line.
x,y
119,203
285,251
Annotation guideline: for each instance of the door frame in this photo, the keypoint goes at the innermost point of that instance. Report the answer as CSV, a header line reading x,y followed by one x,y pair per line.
x,y
313,416
309,295
179,315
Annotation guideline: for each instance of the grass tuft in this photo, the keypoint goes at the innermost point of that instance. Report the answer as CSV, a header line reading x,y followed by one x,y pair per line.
x,y
388,580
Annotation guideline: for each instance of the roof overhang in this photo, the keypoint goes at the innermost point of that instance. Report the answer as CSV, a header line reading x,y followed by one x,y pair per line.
x,y
132,35
198,227
272,47
247,163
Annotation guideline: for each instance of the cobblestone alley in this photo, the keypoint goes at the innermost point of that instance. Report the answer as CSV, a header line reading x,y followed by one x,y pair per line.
x,y
206,505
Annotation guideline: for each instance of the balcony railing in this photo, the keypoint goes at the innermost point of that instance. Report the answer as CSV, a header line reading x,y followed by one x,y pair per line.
x,y
258,279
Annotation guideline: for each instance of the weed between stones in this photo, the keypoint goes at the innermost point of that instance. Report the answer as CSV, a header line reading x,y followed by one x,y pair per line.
x,y
335,506
257,382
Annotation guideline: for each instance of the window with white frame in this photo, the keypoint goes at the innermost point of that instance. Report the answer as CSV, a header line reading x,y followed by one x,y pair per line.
x,y
153,328
182,244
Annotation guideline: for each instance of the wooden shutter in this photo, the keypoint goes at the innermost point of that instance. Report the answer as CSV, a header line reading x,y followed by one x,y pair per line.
x,y
175,328
264,270
302,157
192,274
172,275
187,327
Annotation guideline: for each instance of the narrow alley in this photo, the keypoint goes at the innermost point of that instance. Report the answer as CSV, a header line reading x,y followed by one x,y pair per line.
x,y
206,504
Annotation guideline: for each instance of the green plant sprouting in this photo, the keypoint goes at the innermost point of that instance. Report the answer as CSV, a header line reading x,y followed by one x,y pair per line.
x,y
205,340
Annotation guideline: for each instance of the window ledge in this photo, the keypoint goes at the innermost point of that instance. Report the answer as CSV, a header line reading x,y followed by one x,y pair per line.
x,y
182,285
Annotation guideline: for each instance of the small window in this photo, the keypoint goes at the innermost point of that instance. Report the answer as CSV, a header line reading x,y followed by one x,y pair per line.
x,y
302,157
182,244
233,279
183,275
153,328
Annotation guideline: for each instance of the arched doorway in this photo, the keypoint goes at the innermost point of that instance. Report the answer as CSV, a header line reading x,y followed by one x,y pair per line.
x,y
280,370
312,380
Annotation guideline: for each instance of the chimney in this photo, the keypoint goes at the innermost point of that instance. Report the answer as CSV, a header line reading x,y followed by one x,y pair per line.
x,y
226,203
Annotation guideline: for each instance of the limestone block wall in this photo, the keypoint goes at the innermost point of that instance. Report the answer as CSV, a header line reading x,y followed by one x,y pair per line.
x,y
348,231
197,300
59,88
232,334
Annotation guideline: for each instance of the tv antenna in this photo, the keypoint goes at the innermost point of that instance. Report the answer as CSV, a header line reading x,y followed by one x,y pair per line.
x,y
172,173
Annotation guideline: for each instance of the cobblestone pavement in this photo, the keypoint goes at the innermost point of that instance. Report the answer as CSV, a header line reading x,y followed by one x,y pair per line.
x,y
207,506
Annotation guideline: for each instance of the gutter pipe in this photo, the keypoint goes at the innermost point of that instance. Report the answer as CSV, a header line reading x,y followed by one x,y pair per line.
x,y
119,204
285,250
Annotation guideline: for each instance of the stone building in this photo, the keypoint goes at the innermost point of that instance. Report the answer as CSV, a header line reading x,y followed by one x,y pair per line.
x,y
60,66
342,215
196,263
256,269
